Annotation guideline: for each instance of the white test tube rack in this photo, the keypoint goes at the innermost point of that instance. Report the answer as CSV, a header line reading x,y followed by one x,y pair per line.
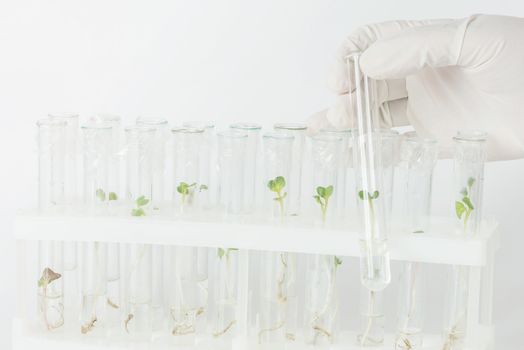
x,y
438,246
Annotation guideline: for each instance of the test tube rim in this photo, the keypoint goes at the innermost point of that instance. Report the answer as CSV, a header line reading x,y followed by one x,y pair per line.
x,y
470,136
107,117
278,136
324,137
143,128
63,115
290,126
96,126
185,130
232,134
48,123
150,121
413,137
199,124
246,126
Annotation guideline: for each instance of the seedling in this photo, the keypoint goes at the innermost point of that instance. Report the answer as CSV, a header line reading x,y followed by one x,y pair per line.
x,y
101,195
187,191
48,277
221,252
322,198
464,207
370,197
140,203
277,185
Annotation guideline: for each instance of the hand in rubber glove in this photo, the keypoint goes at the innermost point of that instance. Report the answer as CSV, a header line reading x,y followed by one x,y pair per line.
x,y
442,76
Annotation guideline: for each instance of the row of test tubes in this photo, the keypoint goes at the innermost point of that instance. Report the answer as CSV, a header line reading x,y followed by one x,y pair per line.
x,y
238,174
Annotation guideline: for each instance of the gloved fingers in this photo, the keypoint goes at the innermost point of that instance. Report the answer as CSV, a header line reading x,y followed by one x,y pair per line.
x,y
360,40
407,52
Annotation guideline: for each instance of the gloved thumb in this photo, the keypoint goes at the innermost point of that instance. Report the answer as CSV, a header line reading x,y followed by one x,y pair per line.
x,y
398,56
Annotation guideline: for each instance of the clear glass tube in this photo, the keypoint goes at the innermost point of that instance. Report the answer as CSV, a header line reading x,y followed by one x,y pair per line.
x,y
275,321
326,152
278,149
140,141
231,170
322,302
97,155
374,205
224,318
373,188
322,299
251,164
418,156
186,170
469,159
51,198
298,130
187,296
373,319
114,194
345,178
158,196
411,310
207,157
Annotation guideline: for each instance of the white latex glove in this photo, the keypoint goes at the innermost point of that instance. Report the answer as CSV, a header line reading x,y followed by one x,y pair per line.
x,y
442,76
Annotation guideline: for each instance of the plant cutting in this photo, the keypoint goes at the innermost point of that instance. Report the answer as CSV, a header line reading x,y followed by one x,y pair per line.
x,y
464,207
277,185
187,191
140,203
48,277
322,198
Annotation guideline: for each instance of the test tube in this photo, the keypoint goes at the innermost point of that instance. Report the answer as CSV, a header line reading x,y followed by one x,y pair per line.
x,y
345,177
418,157
187,287
372,316
114,195
251,164
298,130
187,144
373,187
159,159
469,159
138,319
207,161
51,179
97,155
275,321
71,199
231,169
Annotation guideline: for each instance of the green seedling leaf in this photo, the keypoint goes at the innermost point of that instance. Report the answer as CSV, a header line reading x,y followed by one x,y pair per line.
x,y
375,195
460,208
47,277
329,191
142,201
113,196
467,201
464,192
317,199
418,231
202,188
361,195
220,252
471,181
321,191
100,194
280,182
138,212
337,261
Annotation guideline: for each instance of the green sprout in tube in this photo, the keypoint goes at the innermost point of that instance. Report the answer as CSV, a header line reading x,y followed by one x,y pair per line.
x,y
277,185
464,207
322,198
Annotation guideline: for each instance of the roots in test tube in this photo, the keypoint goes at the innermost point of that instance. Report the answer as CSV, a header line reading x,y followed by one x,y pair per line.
x,y
277,281
373,320
322,299
409,335
50,302
456,317
226,300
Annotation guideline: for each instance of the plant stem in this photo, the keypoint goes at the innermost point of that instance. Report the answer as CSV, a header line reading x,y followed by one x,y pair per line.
x,y
281,203
371,306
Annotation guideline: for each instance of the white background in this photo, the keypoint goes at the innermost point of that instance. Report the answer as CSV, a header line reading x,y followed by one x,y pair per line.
x,y
262,61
